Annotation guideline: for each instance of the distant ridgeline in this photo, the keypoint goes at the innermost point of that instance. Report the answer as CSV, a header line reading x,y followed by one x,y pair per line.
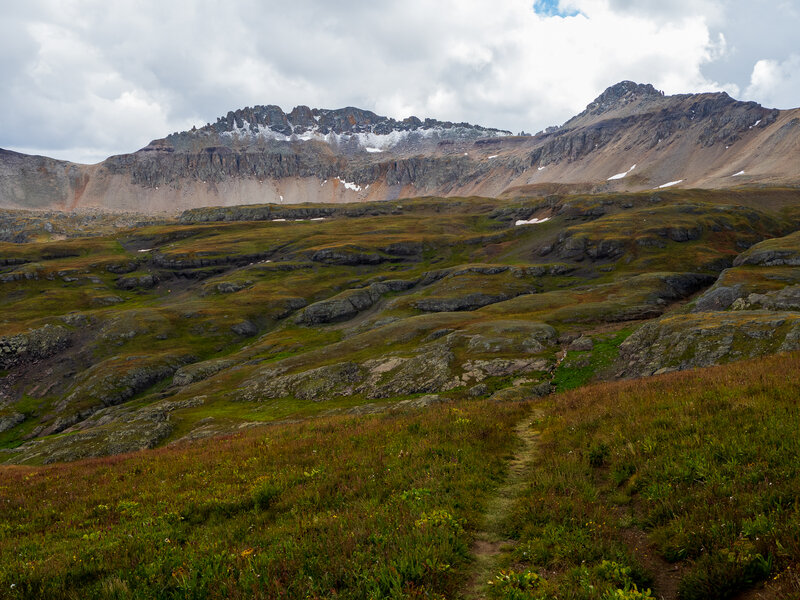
x,y
632,138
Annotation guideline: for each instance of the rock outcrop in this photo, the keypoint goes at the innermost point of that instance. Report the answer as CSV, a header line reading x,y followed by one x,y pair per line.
x,y
705,339
350,302
33,345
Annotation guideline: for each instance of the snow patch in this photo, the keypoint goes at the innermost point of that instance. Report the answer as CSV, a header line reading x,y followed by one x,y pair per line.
x,y
491,157
737,174
541,168
369,141
144,250
671,183
350,185
531,221
621,175
317,219
756,123
278,220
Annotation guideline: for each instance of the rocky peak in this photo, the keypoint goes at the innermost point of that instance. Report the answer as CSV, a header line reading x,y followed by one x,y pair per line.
x,y
620,95
624,92
352,129
348,120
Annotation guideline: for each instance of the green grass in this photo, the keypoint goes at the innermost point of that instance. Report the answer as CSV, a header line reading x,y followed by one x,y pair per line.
x,y
340,507
580,367
699,467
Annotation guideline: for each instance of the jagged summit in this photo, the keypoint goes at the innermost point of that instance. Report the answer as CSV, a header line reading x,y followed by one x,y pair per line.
x,y
622,93
303,119
620,99
350,128
628,98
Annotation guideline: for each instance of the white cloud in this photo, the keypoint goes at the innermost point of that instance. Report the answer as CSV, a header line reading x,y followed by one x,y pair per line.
x,y
113,76
776,83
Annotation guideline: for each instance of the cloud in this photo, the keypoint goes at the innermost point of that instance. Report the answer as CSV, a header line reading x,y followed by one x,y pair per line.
x,y
776,84
85,78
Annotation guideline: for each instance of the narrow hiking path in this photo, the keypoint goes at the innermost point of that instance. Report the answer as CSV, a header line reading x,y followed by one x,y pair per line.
x,y
489,541
490,544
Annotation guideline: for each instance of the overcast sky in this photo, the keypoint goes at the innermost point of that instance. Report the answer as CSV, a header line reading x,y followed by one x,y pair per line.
x,y
84,79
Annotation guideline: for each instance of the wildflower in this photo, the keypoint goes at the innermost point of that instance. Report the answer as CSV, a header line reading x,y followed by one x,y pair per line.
x,y
247,552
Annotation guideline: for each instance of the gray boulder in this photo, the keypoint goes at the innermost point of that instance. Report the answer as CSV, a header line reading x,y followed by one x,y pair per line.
x,y
718,298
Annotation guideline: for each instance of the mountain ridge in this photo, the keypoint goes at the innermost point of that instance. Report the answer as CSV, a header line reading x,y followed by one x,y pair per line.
x,y
262,154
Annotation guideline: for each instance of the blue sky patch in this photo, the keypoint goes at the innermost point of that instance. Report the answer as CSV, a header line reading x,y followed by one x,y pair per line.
x,y
550,8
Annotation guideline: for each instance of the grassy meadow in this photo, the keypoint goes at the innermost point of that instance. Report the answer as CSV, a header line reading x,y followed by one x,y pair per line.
x,y
338,507
679,486
408,400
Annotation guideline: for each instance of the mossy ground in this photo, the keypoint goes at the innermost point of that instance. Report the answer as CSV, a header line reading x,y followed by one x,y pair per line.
x,y
215,283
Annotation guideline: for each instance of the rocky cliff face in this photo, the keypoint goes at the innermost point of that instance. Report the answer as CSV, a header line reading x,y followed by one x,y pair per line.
x,y
631,137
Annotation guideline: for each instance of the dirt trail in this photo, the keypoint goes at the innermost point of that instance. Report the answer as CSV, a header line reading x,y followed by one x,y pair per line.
x,y
489,541
666,576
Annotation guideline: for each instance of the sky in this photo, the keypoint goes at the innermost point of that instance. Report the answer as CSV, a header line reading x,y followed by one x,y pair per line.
x,y
85,79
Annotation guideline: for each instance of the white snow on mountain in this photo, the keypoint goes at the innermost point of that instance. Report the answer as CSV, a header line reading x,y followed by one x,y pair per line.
x,y
621,175
670,184
367,140
533,221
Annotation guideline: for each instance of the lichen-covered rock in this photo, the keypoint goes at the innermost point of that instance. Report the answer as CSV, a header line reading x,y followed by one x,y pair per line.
x,y
145,281
230,287
346,256
475,371
110,430
33,345
135,435
718,298
314,384
787,298
122,267
470,301
768,256
425,373
705,339
201,370
581,344
112,382
9,421
478,391
350,302
245,328
509,337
